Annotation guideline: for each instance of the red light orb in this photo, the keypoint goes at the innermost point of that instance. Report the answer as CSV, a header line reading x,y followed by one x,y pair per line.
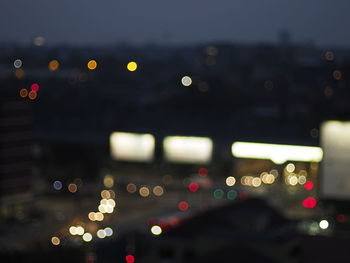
x,y
309,202
193,187
130,259
183,206
341,218
243,196
308,185
35,87
203,172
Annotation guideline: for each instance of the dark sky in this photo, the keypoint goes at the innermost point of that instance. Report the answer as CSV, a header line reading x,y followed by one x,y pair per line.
x,y
324,22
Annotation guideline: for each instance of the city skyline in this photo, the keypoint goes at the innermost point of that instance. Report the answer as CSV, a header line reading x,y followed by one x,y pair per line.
x,y
181,22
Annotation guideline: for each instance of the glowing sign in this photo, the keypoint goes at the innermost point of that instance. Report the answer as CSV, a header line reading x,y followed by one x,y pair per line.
x,y
335,140
183,149
278,153
132,146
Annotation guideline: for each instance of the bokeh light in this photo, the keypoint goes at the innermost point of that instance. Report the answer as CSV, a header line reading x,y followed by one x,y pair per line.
x,y
308,185
23,93
53,65
108,181
309,202
108,231
186,81
193,187
183,206
130,259
231,194
158,190
323,224
92,64
17,63
203,172
72,188
32,95
218,194
19,73
131,188
105,194
57,185
55,241
230,181
144,191
87,237
34,87
156,230
132,66
101,233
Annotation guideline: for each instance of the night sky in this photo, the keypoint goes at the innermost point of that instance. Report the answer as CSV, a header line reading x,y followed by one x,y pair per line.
x,y
323,22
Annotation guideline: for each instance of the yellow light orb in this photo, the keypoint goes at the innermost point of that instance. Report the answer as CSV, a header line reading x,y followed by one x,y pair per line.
x,y
158,190
99,216
144,191
54,65
105,194
256,182
73,230
101,233
92,216
80,230
108,181
55,241
132,66
290,168
92,64
87,237
156,230
230,181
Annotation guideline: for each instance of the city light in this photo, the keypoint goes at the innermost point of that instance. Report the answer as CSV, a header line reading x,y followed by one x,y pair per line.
x,y
218,194
132,66
101,233
186,81
32,95
308,185
72,188
92,64
156,230
131,188
132,146
73,230
23,93
79,230
158,190
144,191
87,237
203,172
278,153
108,181
130,259
53,65
183,206
17,63
323,224
57,185
183,149
55,241
230,181
193,187
108,231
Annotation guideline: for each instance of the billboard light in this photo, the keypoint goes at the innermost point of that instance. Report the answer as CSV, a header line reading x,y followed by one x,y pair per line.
x,y
132,146
185,149
278,153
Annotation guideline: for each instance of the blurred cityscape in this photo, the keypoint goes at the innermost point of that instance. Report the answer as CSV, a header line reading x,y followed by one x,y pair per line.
x,y
195,153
